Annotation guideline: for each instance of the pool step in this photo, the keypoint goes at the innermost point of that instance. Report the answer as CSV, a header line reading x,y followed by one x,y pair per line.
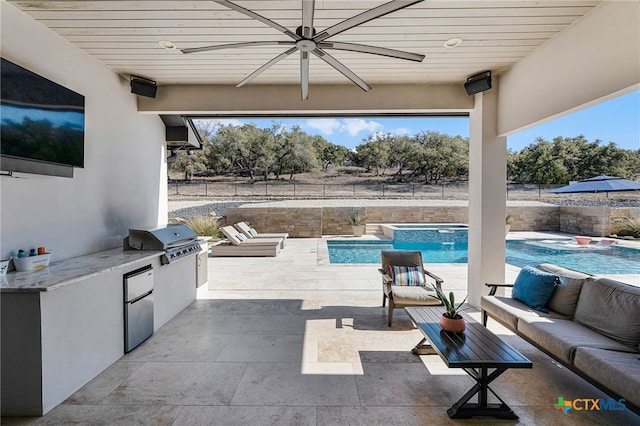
x,y
373,229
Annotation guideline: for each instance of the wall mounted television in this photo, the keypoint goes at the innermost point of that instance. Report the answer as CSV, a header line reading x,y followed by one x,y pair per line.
x,y
41,123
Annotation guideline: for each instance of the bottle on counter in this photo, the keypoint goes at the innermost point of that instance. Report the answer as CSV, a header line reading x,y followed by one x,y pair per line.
x,y
21,253
32,252
42,250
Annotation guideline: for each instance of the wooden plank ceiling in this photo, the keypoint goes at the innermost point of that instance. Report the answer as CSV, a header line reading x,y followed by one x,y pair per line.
x,y
124,35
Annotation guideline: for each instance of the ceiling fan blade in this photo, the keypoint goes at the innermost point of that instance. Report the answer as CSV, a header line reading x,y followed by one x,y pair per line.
x,y
308,7
341,69
257,17
266,66
367,16
383,51
232,45
304,74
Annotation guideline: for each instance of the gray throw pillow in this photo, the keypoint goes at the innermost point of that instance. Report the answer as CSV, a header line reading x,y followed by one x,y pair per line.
x,y
565,297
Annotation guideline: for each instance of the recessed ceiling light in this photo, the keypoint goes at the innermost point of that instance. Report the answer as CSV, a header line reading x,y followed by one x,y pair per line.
x,y
166,44
453,42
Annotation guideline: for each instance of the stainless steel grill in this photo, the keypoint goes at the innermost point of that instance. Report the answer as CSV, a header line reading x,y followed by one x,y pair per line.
x,y
177,241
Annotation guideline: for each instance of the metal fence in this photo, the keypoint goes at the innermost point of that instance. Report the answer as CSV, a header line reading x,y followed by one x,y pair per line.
x,y
285,190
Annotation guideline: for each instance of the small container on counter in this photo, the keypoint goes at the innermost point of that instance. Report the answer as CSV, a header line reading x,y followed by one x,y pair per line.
x,y
32,263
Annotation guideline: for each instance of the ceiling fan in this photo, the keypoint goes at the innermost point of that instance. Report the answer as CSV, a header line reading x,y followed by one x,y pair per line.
x,y
307,40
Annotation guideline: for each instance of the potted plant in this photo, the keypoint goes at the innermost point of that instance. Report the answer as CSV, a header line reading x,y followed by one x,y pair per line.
x,y
451,320
357,220
507,224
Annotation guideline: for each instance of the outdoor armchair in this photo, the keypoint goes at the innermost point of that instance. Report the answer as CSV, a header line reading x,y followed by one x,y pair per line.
x,y
404,281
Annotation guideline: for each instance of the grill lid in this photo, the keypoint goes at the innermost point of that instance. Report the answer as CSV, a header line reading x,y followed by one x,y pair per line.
x,y
161,238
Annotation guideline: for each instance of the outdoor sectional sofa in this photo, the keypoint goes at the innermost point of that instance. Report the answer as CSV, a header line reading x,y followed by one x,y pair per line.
x,y
592,327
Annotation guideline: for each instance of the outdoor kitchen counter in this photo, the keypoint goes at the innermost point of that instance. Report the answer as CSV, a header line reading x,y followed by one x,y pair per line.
x,y
55,342
74,270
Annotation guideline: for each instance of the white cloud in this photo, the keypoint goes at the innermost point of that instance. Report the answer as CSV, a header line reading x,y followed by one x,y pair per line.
x,y
325,125
353,126
401,131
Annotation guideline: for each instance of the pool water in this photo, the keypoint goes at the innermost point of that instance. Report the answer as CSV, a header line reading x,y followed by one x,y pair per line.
x,y
592,260
369,251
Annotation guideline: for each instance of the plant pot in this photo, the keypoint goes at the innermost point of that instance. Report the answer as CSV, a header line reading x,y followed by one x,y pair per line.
x,y
583,241
358,230
452,325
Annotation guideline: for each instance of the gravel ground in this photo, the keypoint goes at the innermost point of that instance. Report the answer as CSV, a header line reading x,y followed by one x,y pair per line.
x,y
604,203
189,209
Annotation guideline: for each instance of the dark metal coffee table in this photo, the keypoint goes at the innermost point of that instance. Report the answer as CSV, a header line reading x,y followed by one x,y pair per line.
x,y
476,351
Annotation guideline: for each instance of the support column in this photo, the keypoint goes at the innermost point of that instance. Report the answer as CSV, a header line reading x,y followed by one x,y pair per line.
x,y
487,196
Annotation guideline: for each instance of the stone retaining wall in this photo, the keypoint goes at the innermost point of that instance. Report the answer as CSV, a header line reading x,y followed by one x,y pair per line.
x,y
308,222
299,222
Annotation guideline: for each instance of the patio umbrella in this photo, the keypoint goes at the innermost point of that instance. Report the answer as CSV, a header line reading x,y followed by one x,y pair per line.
x,y
599,184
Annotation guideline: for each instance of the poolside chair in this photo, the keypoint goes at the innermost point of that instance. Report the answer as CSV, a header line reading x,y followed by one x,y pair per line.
x,y
250,232
404,281
240,245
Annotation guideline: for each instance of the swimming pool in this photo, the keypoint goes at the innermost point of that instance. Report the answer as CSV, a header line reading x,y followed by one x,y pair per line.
x,y
592,260
446,233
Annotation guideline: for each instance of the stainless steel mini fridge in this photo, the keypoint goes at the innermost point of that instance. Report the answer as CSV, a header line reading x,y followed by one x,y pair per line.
x,y
138,307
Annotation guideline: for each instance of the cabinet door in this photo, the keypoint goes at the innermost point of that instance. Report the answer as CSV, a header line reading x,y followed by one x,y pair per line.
x,y
202,269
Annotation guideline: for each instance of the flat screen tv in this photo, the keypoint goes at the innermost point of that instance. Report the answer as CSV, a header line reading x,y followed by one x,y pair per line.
x,y
40,121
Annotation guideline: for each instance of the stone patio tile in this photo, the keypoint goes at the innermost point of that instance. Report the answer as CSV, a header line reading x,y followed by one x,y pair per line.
x,y
284,384
246,415
179,383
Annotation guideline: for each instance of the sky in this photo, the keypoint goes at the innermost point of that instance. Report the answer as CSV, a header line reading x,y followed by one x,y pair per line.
x,y
617,120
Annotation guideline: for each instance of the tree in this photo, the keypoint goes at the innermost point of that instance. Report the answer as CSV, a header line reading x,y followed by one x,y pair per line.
x,y
402,149
189,163
569,159
328,153
374,153
440,156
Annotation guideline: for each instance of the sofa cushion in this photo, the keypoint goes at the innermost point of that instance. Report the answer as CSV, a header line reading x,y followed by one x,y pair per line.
x,y
413,296
561,337
618,371
611,308
507,310
565,297
534,287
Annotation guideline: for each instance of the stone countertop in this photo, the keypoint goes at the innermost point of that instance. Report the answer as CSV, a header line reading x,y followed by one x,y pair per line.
x,y
69,271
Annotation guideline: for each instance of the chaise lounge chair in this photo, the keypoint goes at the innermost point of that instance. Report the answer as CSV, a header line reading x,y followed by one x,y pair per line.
x,y
250,232
239,245
404,281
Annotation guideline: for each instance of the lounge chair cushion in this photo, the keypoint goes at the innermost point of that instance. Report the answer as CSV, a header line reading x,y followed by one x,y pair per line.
x,y
534,287
253,232
611,308
406,275
413,295
565,297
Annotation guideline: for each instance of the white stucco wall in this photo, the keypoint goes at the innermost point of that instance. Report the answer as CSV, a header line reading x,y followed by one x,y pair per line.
x,y
586,64
123,183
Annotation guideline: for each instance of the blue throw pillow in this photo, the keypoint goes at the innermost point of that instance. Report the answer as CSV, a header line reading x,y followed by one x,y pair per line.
x,y
534,287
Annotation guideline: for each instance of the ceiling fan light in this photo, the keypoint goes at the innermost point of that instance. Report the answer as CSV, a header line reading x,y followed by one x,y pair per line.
x,y
453,42
166,44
